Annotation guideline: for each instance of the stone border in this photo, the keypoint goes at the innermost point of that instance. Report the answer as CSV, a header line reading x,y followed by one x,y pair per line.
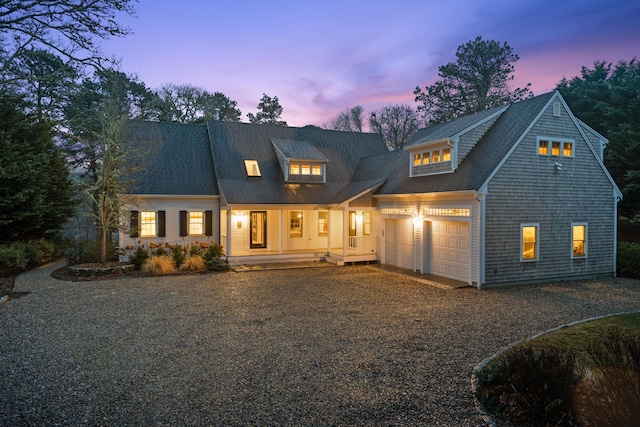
x,y
99,271
484,414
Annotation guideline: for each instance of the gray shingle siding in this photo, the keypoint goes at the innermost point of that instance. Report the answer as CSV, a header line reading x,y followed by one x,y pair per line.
x,y
528,188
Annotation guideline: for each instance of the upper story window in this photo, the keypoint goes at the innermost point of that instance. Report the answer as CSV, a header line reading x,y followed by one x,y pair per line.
x,y
304,169
433,156
555,147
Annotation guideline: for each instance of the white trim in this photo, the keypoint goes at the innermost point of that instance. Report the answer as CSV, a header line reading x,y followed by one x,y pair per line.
x,y
586,239
174,196
345,203
550,140
537,242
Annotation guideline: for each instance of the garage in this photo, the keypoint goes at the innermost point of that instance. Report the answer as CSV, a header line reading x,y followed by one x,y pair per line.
x,y
398,243
447,249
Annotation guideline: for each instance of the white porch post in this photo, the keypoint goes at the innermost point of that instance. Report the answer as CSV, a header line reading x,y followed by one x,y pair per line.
x,y
345,231
228,243
329,232
281,232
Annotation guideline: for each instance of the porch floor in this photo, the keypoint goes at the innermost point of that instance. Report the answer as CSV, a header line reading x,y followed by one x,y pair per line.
x,y
242,268
432,279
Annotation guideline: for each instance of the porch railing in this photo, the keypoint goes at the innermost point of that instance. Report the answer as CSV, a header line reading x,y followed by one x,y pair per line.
x,y
360,245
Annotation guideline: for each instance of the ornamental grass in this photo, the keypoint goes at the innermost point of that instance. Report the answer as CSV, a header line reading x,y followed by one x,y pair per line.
x,y
159,265
193,263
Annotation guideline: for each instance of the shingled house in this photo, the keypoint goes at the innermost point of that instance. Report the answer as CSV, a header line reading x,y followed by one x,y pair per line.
x,y
516,194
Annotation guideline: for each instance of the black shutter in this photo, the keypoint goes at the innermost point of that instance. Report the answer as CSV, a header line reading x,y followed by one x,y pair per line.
x,y
183,224
162,225
208,223
133,224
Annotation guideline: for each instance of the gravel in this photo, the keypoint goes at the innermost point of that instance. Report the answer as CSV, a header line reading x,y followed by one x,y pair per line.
x,y
319,346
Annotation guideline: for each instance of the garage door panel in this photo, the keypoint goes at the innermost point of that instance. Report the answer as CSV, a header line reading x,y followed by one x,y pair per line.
x,y
449,250
399,243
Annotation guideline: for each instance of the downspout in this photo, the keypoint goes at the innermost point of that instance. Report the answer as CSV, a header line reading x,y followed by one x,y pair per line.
x,y
479,196
616,199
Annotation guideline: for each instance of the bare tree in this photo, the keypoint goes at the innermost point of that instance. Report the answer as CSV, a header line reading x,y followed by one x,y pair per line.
x,y
68,28
192,104
396,124
349,120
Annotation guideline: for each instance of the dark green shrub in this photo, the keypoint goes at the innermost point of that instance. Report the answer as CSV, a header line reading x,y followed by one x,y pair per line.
x,y
161,251
218,264
139,257
178,255
84,251
13,259
532,385
195,250
213,251
629,259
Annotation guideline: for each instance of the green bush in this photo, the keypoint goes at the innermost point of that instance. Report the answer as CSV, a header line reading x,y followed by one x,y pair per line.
x,y
139,257
160,252
84,251
218,264
178,255
629,259
13,259
195,250
213,251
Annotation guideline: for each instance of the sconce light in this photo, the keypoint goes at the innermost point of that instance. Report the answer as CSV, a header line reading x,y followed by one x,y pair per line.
x,y
417,220
558,165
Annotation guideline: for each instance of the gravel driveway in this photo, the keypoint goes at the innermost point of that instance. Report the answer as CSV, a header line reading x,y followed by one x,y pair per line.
x,y
319,346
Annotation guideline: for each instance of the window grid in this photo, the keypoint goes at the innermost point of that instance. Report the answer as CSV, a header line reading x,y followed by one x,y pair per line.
x,y
147,224
196,223
446,212
578,240
555,147
529,242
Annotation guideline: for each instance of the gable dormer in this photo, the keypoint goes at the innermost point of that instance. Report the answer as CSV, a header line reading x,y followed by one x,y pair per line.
x,y
300,161
432,157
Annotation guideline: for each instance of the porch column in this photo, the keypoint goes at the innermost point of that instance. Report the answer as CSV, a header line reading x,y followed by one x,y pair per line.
x,y
329,232
281,231
345,232
228,242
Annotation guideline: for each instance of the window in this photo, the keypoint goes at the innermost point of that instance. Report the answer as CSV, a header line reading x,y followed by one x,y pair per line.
x,y
295,229
416,160
252,167
579,240
147,224
567,149
446,154
543,148
196,223
555,147
366,223
426,158
323,223
353,224
305,170
316,170
435,156
294,169
529,240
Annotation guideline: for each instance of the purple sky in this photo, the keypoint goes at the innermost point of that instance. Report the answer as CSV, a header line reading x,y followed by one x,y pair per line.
x,y
322,57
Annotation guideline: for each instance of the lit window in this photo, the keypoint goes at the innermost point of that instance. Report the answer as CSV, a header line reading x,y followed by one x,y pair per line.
x,y
353,224
567,150
529,237
316,170
296,224
543,148
426,158
196,223
294,169
446,154
435,156
555,148
579,240
147,224
416,160
252,167
366,223
323,223
306,170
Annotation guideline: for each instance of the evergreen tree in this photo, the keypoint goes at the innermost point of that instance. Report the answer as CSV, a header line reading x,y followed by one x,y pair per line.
x,y
270,111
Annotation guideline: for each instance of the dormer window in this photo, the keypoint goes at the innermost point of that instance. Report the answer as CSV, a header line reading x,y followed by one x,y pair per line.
x,y
301,161
432,157
556,147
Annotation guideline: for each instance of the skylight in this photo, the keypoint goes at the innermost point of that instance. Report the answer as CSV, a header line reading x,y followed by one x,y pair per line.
x,y
252,167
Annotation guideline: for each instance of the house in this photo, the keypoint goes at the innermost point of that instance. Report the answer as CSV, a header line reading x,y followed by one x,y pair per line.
x,y
516,194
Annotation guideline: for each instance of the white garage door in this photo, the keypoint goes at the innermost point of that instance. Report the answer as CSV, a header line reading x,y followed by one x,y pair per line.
x,y
398,243
449,250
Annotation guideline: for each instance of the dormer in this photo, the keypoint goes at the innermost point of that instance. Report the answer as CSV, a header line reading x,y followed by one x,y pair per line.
x,y
433,157
301,161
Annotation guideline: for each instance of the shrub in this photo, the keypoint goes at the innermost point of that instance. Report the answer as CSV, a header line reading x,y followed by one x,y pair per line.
x,y
159,265
629,259
610,393
532,385
161,251
195,250
139,257
178,255
13,259
213,251
218,264
193,263
83,251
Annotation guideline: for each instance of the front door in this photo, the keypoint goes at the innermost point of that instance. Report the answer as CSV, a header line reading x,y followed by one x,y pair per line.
x,y
258,229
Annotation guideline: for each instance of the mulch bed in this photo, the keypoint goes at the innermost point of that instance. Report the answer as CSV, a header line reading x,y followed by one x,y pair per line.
x,y
64,273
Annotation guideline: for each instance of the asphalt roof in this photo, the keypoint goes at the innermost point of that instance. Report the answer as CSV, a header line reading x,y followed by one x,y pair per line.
x,y
175,159
232,143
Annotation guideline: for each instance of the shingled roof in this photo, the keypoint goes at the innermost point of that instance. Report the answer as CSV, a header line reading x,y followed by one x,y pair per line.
x,y
477,166
175,159
232,143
